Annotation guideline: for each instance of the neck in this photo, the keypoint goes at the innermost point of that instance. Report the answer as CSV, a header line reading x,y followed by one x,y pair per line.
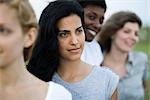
x,y
70,65
116,60
12,75
73,71
117,56
68,68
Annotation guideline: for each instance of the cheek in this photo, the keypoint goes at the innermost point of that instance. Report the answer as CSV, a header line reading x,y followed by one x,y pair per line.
x,y
87,20
82,38
118,41
17,46
61,45
82,41
120,36
17,43
13,49
137,39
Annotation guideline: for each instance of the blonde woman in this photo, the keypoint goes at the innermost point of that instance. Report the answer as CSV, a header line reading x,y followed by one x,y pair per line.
x,y
18,30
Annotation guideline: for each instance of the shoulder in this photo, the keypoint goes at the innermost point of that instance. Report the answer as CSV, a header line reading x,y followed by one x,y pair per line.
x,y
92,44
106,73
58,88
109,78
56,91
139,56
104,69
92,53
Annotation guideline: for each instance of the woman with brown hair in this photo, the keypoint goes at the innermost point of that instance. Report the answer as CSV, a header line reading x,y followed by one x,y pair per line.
x,y
118,36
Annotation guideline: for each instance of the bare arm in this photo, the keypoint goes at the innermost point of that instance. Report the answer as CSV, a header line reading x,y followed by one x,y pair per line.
x,y
145,85
114,96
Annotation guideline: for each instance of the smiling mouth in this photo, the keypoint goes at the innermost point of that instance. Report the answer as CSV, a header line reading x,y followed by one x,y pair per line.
x,y
131,44
91,32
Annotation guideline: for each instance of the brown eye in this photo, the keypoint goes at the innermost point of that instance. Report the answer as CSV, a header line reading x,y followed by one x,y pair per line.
x,y
91,17
101,20
63,34
136,33
80,31
126,31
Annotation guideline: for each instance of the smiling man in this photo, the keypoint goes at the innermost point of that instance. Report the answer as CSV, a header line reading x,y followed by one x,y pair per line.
x,y
94,11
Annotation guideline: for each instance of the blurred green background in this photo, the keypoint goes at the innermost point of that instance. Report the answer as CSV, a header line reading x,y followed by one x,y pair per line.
x,y
144,45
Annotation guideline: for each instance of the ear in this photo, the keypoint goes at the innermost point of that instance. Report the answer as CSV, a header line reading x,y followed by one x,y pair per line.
x,y
30,37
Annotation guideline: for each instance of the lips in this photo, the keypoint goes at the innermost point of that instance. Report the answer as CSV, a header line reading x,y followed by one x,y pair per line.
x,y
130,44
74,50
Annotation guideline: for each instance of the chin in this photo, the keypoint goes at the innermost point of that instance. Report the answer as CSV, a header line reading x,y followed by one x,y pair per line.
x,y
126,50
74,58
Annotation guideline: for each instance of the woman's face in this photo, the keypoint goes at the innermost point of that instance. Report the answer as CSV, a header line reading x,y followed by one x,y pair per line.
x,y
12,40
126,38
71,37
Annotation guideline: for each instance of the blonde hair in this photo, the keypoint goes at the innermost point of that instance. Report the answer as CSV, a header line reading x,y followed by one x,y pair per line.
x,y
26,17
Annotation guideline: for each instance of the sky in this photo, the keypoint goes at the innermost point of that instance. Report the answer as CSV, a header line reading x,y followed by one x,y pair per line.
x,y
140,7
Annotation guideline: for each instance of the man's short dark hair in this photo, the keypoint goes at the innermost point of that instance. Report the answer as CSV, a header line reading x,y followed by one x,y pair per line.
x,y
100,3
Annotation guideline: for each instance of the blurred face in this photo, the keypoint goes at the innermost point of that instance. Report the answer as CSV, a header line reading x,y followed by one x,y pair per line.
x,y
12,40
126,38
94,16
71,37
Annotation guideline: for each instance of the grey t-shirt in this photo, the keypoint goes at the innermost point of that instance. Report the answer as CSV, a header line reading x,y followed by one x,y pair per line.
x,y
100,84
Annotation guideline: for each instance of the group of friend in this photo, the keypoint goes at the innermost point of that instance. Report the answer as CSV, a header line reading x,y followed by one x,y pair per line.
x,y
70,54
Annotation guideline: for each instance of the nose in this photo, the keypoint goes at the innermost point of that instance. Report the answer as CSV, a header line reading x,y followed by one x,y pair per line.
x,y
74,39
97,26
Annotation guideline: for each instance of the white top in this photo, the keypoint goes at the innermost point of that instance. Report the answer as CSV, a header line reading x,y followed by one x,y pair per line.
x,y
57,92
92,53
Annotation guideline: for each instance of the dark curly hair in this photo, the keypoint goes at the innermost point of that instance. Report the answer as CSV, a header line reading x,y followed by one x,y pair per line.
x,y
100,3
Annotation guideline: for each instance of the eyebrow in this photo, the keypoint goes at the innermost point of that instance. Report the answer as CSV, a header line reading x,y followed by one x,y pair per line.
x,y
66,31
79,27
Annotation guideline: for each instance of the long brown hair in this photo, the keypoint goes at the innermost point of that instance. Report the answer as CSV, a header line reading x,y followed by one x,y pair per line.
x,y
113,24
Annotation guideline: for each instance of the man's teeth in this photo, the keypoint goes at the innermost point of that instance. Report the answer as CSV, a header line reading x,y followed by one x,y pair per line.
x,y
92,32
